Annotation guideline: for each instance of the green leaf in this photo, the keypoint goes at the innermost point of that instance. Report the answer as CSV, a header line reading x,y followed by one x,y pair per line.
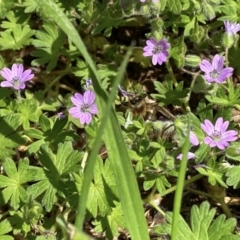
x,y
18,222
5,227
55,168
48,43
167,95
5,6
101,189
175,6
203,225
216,100
111,222
28,108
34,133
214,175
16,39
35,146
233,177
57,129
45,123
12,184
202,152
106,22
233,151
13,18
9,138
30,6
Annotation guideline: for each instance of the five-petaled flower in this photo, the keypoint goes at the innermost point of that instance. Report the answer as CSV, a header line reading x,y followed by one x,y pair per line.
x,y
16,77
85,106
215,72
158,50
217,135
231,28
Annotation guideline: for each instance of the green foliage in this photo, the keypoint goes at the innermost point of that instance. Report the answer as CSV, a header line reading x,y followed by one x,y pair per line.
x,y
111,222
167,94
5,227
30,6
13,183
51,133
233,178
232,97
5,6
102,191
48,159
49,43
16,35
203,225
9,137
56,168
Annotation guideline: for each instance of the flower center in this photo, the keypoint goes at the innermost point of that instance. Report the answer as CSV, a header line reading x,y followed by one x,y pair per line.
x,y
16,82
157,49
214,74
216,136
85,108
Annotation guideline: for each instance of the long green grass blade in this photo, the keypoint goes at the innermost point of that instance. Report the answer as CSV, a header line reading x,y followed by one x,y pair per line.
x,y
120,162
180,186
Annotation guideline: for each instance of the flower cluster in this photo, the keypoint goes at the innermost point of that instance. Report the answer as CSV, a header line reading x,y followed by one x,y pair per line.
x,y
84,106
158,50
16,77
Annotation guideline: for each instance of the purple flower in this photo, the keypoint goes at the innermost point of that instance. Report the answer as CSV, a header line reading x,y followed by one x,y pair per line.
x,y
214,72
217,135
193,139
16,77
231,28
152,0
190,155
88,83
158,50
61,115
85,106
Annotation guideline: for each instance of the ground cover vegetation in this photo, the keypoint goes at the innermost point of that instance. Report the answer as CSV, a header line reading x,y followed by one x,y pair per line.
x,y
119,119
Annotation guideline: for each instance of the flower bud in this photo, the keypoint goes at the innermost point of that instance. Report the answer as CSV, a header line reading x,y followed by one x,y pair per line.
x,y
192,60
228,40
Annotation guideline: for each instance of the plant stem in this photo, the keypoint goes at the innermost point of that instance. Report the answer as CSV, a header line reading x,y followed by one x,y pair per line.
x,y
191,180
